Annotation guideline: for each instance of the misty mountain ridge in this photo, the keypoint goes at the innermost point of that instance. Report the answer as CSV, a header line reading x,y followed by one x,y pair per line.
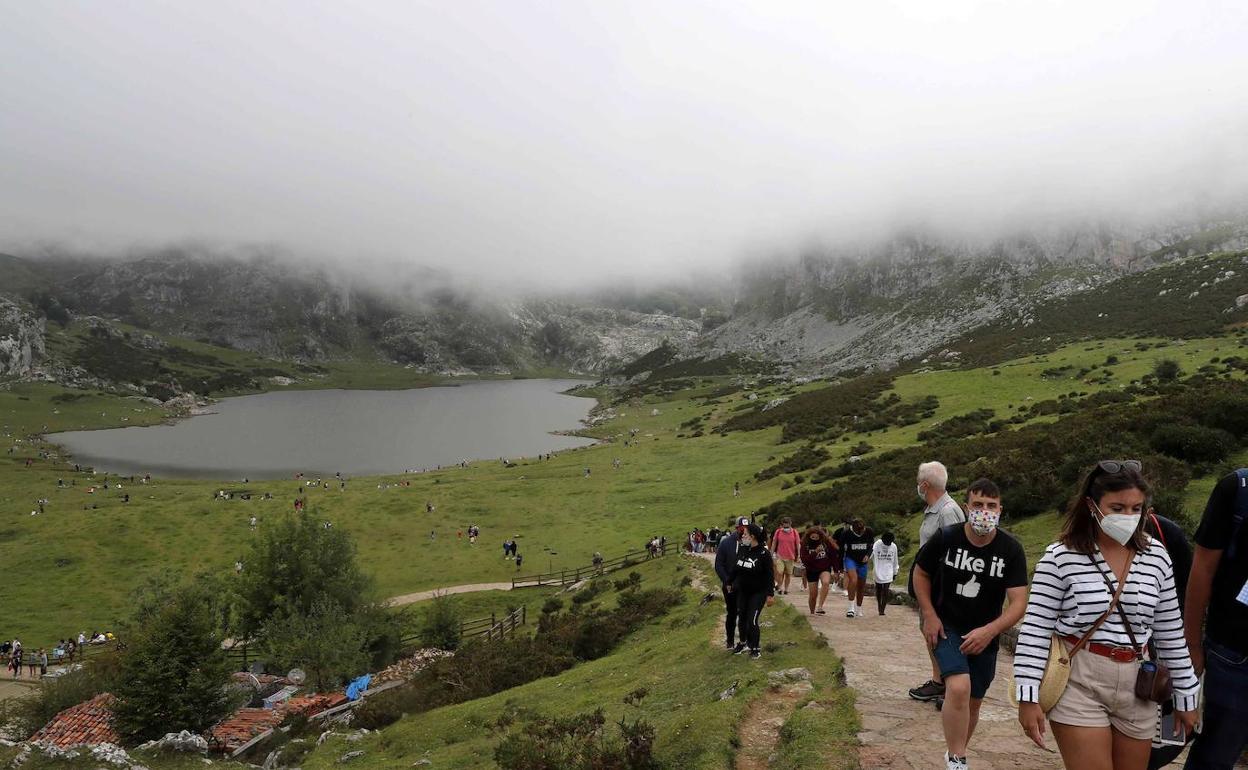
x,y
825,311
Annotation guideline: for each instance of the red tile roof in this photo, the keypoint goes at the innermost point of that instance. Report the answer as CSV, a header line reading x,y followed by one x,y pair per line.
x,y
244,725
314,704
88,723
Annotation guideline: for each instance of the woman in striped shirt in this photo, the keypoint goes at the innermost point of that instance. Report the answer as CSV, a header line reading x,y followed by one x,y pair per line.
x,y
1098,722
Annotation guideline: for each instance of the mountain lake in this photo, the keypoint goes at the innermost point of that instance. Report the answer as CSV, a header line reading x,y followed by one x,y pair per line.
x,y
353,432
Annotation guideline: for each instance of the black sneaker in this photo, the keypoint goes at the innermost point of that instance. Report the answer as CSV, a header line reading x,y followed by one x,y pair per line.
x,y
740,648
756,654
729,646
928,691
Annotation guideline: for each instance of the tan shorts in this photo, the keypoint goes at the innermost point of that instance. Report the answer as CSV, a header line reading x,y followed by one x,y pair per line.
x,y
784,566
1101,693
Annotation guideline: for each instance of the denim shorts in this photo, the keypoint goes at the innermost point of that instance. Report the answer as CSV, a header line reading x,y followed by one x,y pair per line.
x,y
851,565
981,667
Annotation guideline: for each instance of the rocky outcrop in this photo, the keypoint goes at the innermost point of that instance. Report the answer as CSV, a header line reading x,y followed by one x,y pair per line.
x,y
21,339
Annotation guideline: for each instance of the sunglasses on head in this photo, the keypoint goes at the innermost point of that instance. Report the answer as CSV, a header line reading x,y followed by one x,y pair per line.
x,y
1118,466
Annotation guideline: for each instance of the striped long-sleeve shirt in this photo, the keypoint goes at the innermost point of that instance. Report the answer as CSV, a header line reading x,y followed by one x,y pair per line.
x,y
1068,594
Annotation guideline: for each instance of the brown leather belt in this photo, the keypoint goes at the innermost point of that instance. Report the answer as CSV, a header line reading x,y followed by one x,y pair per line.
x,y
1116,654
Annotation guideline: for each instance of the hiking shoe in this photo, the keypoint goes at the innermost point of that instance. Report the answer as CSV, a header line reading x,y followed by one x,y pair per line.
x,y
740,648
756,654
955,763
928,691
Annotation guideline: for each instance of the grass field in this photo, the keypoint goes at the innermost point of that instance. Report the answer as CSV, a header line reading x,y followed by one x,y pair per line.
x,y
71,568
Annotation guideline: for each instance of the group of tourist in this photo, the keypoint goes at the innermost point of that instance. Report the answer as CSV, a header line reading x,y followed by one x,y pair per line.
x,y
1109,656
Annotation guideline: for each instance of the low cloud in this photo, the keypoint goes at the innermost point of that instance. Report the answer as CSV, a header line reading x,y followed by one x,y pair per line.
x,y
567,143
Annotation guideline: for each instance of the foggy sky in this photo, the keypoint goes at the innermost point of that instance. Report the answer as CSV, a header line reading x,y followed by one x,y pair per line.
x,y
572,141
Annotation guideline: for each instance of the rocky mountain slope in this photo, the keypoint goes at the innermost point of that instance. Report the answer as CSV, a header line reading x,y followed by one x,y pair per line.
x,y
869,307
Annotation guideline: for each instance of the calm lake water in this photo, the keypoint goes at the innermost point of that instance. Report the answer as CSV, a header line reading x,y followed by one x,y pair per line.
x,y
354,432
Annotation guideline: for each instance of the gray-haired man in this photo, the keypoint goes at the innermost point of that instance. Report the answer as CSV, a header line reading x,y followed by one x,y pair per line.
x,y
941,511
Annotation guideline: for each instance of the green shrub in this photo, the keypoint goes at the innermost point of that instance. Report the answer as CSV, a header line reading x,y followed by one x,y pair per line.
x,y
578,743
441,624
1193,443
1167,370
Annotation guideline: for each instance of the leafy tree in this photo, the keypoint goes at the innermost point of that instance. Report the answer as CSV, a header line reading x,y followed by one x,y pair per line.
x,y
441,624
293,566
326,642
173,671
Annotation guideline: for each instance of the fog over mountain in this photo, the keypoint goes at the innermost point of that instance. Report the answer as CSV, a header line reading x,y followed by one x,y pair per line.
x,y
565,144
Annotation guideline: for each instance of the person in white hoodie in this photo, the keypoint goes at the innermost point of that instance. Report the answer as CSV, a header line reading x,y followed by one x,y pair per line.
x,y
884,557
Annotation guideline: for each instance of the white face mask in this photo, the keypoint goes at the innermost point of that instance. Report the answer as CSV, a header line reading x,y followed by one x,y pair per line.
x,y
1119,526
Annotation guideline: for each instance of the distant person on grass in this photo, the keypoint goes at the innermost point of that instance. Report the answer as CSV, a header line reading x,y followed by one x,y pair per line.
x,y
753,581
725,558
784,544
816,554
940,511
962,577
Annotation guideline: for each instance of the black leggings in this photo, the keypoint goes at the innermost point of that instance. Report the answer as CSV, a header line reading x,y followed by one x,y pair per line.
x,y
882,595
749,609
730,614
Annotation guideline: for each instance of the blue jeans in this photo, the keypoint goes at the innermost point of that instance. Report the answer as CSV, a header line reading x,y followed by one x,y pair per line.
x,y
1224,736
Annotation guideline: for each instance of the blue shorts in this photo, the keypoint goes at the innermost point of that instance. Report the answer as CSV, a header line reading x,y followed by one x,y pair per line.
x,y
982,667
852,565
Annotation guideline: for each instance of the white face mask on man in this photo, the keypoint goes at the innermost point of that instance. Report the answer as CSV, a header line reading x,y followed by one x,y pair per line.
x,y
1119,526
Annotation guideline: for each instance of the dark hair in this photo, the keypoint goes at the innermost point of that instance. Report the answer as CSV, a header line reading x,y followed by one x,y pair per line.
x,y
984,488
813,529
756,532
887,537
857,523
1080,528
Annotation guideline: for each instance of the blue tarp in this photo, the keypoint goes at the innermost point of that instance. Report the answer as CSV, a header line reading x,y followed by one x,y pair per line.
x,y
358,686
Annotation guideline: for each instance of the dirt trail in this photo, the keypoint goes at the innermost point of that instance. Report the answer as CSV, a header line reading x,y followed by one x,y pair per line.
x,y
421,596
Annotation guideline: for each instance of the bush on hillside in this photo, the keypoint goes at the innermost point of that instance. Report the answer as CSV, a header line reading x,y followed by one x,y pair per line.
x,y
957,427
1167,370
1193,443
578,743
803,459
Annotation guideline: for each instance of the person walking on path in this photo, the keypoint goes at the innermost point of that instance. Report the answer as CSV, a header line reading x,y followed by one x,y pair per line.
x,y
816,554
784,544
940,511
963,576
753,581
884,560
857,551
1217,590
1108,587
725,558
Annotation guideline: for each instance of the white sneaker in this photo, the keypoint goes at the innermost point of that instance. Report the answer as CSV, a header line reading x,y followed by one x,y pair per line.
x,y
955,763
857,612
849,613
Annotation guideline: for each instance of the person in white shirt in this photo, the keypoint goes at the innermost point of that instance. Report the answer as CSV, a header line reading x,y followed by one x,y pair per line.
x,y
884,557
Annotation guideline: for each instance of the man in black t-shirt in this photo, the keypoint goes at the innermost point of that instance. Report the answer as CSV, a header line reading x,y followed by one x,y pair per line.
x,y
856,544
962,577
1218,585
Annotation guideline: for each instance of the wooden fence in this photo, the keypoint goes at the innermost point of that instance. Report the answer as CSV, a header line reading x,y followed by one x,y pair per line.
x,y
570,576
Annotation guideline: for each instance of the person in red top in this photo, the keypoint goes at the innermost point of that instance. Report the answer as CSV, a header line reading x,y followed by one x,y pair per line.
x,y
784,544
817,554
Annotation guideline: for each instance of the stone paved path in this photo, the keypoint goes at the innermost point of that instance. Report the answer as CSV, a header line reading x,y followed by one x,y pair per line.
x,y
884,657
421,596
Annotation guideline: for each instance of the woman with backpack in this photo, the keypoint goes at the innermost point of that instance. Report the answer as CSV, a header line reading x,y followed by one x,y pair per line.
x,y
752,580
1103,592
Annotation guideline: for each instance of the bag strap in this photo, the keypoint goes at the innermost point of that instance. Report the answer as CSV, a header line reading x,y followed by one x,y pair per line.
x,y
1126,624
1099,621
1241,511
1160,535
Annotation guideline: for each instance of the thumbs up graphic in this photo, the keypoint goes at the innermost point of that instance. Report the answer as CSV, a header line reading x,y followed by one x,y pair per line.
x,y
969,589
